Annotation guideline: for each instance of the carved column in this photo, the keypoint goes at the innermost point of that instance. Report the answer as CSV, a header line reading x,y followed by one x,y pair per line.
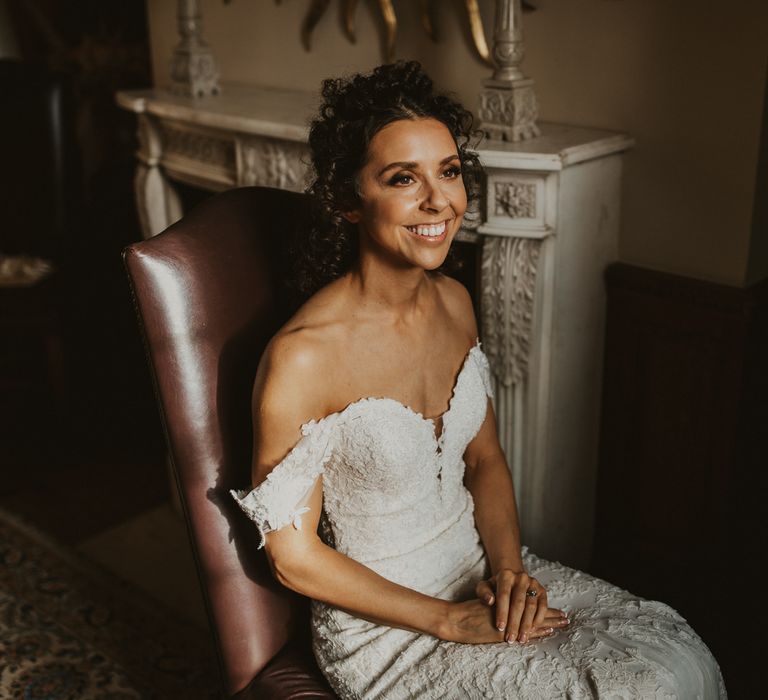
x,y
517,222
193,70
157,202
508,108
508,278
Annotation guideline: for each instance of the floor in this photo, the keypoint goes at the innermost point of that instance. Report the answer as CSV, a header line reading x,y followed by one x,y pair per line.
x,y
153,541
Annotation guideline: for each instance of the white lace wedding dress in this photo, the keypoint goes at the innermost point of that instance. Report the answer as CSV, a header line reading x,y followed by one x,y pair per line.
x,y
394,499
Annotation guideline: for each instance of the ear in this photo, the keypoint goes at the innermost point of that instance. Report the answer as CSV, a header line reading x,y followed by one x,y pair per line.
x,y
353,216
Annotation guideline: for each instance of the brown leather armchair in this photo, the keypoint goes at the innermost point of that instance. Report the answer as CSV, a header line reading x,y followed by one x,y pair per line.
x,y
209,295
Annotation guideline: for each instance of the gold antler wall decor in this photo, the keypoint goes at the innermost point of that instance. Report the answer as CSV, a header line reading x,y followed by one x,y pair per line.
x,y
478,33
317,9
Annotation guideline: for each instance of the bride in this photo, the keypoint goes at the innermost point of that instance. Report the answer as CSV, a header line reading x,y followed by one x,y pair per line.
x,y
380,489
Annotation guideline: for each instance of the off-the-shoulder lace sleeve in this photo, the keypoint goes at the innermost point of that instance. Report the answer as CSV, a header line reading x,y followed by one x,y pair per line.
x,y
484,368
275,501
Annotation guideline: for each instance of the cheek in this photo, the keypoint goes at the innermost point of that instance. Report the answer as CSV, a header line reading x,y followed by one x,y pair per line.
x,y
394,209
462,201
458,196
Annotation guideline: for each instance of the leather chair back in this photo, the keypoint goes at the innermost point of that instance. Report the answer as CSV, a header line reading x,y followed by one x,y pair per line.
x,y
208,293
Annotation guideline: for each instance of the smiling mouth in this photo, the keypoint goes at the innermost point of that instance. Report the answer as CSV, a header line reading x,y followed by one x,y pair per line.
x,y
430,230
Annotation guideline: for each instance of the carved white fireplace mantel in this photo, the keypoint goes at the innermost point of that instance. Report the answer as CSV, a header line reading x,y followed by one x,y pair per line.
x,y
548,226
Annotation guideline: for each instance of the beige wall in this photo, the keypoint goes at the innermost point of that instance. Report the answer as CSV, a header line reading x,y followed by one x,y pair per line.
x,y
685,78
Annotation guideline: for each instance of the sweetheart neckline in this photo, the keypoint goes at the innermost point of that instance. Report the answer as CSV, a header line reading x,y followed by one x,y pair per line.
x,y
366,399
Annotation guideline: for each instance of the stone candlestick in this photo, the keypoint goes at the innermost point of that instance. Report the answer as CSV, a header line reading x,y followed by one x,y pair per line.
x,y
193,70
508,108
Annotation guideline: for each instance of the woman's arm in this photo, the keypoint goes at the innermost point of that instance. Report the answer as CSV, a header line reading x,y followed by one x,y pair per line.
x,y
302,562
488,479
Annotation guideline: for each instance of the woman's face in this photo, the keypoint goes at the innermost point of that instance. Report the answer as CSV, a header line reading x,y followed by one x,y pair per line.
x,y
412,196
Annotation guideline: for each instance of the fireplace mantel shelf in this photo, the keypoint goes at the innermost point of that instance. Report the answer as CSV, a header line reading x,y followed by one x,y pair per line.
x,y
284,114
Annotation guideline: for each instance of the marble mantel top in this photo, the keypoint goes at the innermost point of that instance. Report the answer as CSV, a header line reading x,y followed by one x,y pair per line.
x,y
248,109
284,114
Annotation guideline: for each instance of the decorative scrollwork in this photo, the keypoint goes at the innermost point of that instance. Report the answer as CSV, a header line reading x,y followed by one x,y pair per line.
x,y
272,163
510,113
196,146
509,267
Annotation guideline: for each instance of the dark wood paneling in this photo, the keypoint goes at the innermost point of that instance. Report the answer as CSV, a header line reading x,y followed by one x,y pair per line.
x,y
683,454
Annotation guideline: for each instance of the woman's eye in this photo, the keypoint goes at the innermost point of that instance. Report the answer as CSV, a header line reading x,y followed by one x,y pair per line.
x,y
404,179
400,180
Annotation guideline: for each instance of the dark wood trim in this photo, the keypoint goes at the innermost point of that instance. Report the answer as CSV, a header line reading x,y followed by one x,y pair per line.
x,y
684,448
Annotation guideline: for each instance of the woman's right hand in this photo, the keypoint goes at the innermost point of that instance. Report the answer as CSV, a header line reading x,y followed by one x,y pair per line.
x,y
472,622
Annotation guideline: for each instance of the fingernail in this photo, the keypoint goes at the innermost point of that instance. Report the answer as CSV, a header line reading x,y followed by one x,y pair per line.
x,y
550,630
509,640
563,613
489,599
500,626
523,638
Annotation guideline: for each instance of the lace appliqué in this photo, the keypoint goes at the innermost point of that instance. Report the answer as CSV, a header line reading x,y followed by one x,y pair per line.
x,y
273,504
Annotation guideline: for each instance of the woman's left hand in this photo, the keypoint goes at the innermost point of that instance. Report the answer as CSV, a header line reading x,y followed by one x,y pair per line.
x,y
517,611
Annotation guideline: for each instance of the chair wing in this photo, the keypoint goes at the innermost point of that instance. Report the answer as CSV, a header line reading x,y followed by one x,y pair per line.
x,y
208,296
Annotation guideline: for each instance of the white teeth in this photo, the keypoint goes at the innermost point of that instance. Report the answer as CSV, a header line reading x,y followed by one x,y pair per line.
x,y
428,231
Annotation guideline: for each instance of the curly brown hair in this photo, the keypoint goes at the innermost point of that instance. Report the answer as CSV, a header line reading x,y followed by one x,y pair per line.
x,y
354,109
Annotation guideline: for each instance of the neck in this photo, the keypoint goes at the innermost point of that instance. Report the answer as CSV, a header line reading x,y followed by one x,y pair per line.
x,y
394,294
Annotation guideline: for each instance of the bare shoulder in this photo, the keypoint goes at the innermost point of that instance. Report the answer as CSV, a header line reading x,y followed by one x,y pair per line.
x,y
298,356
291,370
456,299
287,393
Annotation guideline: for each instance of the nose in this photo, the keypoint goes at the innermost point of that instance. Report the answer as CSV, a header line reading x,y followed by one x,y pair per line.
x,y
435,198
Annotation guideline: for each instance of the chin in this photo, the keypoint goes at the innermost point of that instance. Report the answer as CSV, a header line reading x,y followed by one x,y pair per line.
x,y
433,264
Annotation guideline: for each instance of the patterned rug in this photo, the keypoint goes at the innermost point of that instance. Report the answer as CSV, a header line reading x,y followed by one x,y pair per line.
x,y
70,630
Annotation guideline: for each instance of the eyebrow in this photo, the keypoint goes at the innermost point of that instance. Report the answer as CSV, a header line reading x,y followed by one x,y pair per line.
x,y
412,165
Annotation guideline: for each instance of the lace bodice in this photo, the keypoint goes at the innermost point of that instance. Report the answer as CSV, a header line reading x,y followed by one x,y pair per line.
x,y
394,500
379,457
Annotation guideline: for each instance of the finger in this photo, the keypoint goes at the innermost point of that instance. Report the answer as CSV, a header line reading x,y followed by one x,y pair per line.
x,y
529,613
504,585
554,621
484,591
516,607
541,633
543,608
564,615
